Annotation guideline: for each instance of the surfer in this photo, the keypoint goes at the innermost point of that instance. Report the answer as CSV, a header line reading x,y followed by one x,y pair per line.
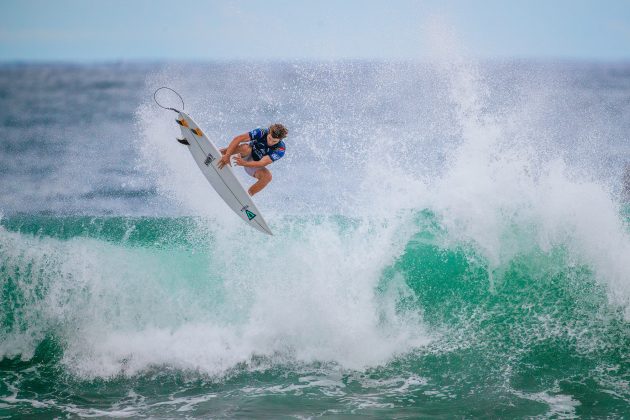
x,y
256,150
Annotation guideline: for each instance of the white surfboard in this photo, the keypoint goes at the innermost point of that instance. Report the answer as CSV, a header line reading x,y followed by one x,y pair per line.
x,y
223,180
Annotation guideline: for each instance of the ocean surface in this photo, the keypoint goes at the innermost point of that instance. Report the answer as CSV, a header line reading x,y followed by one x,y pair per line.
x,y
451,239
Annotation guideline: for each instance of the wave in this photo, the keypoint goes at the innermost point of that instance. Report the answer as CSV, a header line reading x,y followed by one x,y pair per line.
x,y
121,295
496,248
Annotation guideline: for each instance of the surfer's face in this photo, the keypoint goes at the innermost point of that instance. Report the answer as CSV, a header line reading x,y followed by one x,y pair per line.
x,y
271,140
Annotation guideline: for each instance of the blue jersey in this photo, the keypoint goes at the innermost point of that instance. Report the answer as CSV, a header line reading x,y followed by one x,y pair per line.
x,y
260,148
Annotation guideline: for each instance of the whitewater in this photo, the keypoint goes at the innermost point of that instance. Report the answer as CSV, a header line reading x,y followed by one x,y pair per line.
x,y
450,239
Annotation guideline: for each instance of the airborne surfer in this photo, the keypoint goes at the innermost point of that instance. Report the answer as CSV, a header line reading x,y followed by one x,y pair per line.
x,y
256,149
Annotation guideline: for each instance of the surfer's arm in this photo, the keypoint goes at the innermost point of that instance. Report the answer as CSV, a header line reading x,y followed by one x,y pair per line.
x,y
229,151
266,160
234,144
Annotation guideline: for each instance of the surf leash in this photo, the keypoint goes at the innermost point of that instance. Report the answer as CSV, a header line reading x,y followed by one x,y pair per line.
x,y
162,106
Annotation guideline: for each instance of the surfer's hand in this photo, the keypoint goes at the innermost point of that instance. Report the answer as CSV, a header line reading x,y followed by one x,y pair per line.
x,y
225,160
239,161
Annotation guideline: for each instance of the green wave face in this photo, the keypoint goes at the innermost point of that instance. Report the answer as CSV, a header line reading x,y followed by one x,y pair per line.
x,y
147,316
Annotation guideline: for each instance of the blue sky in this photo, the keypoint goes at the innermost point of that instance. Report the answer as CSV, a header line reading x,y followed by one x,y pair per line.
x,y
90,30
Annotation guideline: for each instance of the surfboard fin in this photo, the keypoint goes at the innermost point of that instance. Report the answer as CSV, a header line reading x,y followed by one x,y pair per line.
x,y
183,141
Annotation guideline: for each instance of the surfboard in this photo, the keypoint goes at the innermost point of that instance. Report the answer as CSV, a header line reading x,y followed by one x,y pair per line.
x,y
223,180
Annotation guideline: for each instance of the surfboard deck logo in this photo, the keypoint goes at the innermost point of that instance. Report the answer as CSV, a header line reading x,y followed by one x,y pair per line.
x,y
249,214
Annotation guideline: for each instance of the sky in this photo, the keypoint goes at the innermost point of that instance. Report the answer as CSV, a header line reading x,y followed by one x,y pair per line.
x,y
157,30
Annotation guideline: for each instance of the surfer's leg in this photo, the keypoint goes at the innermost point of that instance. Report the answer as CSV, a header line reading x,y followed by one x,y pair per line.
x,y
263,175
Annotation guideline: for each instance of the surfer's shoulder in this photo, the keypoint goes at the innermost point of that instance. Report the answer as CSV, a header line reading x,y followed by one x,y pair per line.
x,y
258,133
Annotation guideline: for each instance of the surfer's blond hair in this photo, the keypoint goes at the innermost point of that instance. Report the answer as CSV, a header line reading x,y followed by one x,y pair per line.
x,y
278,131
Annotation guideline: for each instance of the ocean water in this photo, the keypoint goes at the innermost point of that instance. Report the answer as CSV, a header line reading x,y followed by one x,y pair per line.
x,y
451,239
